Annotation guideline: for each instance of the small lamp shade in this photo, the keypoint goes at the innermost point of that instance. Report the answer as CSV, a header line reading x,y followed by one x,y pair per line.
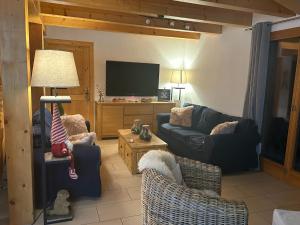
x,y
178,77
54,69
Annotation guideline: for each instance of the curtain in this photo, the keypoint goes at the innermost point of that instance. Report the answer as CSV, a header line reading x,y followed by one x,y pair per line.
x,y
258,70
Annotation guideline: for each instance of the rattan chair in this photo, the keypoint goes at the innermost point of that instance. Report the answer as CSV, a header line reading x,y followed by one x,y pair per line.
x,y
167,203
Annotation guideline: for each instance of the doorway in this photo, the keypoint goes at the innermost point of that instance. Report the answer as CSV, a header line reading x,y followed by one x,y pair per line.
x,y
82,96
280,132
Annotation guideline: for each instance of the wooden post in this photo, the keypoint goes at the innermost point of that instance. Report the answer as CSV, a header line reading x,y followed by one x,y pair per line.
x,y
14,48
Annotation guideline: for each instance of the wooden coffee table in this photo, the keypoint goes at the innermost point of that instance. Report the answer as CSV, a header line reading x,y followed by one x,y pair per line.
x,y
132,148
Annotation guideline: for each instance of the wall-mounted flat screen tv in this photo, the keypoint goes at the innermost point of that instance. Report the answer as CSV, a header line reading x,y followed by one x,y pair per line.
x,y
131,79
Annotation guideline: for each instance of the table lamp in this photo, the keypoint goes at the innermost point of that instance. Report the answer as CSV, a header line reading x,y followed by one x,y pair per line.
x,y
52,69
179,77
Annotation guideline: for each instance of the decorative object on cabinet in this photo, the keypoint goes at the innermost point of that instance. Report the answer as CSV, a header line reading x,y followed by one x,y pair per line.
x,y
163,95
100,93
137,126
145,133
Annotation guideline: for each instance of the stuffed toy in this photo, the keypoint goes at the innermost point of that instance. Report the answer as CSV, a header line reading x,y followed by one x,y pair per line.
x,y
60,146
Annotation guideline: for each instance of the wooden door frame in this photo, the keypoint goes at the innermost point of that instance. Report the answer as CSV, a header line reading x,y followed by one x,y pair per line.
x,y
286,171
90,45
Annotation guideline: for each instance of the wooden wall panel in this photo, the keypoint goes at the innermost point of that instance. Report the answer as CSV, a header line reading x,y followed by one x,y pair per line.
x,y
36,41
14,41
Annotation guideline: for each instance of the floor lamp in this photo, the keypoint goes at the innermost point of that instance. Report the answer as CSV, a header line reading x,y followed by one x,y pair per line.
x,y
179,78
52,69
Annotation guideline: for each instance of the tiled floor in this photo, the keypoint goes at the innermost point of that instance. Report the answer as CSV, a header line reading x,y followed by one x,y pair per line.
x,y
120,201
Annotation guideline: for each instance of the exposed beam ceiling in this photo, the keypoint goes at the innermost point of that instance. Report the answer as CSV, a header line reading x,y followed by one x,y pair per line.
x,y
167,8
34,11
293,5
91,24
268,7
126,18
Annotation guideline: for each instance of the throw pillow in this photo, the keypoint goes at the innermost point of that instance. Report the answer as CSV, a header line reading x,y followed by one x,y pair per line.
x,y
224,128
74,124
162,161
83,138
181,116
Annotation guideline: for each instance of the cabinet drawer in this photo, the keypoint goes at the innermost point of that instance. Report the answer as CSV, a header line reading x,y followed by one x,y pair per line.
x,y
163,108
112,119
138,109
146,119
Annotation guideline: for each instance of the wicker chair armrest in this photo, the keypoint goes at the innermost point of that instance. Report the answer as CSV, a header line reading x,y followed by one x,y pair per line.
x,y
200,175
167,203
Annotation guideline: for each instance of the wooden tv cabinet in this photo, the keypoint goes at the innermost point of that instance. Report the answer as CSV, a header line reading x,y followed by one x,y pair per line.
x,y
112,116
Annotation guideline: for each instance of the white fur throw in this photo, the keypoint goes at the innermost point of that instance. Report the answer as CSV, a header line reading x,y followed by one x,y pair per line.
x,y
162,161
165,163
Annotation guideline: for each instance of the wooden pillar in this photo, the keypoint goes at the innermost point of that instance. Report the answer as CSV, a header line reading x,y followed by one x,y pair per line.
x,y
36,41
14,54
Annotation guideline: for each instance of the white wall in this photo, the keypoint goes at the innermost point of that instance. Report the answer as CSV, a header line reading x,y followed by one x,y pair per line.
x,y
217,64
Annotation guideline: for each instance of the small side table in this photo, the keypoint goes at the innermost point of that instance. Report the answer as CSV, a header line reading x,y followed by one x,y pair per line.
x,y
51,160
285,217
48,159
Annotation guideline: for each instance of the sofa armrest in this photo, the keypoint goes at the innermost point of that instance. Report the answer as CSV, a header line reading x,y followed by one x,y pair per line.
x,y
231,151
90,154
162,118
200,175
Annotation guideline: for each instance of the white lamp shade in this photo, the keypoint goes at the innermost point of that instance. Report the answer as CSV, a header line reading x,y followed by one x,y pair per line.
x,y
179,77
55,69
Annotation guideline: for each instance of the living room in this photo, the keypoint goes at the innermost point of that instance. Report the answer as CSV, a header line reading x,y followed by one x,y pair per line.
x,y
221,70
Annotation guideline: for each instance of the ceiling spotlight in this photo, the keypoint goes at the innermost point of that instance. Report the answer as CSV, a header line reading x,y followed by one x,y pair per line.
x,y
187,27
172,24
148,21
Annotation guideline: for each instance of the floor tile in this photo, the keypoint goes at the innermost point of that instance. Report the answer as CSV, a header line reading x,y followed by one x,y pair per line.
x,y
134,192
111,222
134,220
119,210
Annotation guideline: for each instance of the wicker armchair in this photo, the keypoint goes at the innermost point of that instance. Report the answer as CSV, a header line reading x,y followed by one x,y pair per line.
x,y
167,203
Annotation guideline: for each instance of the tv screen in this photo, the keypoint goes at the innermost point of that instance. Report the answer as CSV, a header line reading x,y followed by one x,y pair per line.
x,y
131,79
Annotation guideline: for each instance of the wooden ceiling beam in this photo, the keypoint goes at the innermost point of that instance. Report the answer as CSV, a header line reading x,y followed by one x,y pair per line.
x,y
293,5
267,7
167,8
72,22
129,19
34,11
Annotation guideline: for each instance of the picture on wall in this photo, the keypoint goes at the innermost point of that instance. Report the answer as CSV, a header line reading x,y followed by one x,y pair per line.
x,y
164,95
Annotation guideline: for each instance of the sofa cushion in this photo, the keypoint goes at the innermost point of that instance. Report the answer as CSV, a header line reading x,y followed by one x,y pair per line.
x,y
184,135
181,116
74,124
166,128
224,128
197,112
209,119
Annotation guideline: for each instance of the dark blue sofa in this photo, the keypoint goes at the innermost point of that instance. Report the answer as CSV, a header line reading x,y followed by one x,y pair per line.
x,y
87,164
232,152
